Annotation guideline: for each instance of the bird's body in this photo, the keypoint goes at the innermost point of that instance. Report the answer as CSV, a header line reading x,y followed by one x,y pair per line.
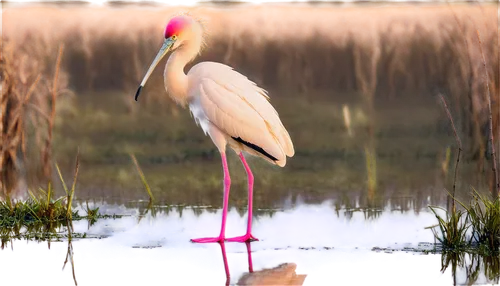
x,y
231,109
235,111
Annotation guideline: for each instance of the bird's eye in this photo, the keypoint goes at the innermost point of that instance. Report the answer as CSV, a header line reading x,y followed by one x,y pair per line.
x,y
174,37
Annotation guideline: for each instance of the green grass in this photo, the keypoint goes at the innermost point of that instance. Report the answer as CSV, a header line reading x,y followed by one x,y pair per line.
x,y
481,216
41,215
41,207
38,208
484,216
40,219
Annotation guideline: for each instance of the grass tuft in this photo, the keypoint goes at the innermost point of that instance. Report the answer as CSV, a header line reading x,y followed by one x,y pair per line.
x,y
453,229
39,216
481,216
485,219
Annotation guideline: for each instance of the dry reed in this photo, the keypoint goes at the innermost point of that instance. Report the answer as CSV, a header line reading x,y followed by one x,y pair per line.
x,y
490,120
386,51
459,145
26,127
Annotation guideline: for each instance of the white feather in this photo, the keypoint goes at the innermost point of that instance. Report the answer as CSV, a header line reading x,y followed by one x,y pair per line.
x,y
237,107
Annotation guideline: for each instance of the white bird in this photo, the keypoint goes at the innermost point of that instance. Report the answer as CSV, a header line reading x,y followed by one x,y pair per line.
x,y
231,109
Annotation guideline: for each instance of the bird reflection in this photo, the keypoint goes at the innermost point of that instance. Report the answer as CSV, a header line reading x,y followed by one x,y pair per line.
x,y
283,274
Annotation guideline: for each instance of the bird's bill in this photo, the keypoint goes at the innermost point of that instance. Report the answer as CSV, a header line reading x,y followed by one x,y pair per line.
x,y
165,48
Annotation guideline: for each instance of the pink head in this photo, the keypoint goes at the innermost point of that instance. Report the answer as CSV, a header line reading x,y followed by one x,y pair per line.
x,y
182,31
184,28
176,26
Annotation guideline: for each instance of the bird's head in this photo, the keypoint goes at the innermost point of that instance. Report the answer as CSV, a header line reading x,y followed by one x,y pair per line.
x,y
180,30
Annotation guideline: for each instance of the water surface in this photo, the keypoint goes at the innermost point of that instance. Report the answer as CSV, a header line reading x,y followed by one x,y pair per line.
x,y
312,240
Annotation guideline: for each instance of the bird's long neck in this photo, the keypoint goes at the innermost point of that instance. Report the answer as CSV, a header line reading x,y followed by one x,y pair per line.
x,y
176,81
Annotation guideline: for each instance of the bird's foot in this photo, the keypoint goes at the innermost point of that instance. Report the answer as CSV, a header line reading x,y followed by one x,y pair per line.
x,y
208,239
244,238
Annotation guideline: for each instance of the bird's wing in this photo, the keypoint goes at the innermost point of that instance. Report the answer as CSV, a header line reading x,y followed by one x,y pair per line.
x,y
241,109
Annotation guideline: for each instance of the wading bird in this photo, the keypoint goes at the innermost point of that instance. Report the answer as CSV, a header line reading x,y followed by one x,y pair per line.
x,y
231,109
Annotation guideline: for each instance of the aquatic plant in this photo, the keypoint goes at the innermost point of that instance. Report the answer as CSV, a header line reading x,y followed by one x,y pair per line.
x,y
482,214
41,211
453,230
40,207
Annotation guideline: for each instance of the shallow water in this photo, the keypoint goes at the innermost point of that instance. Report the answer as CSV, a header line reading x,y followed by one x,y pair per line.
x,y
326,247
311,244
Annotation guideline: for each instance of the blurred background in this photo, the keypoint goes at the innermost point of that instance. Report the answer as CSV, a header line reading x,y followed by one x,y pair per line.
x,y
356,84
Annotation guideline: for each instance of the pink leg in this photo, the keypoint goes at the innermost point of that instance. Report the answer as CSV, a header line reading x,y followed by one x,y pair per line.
x,y
227,184
248,236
